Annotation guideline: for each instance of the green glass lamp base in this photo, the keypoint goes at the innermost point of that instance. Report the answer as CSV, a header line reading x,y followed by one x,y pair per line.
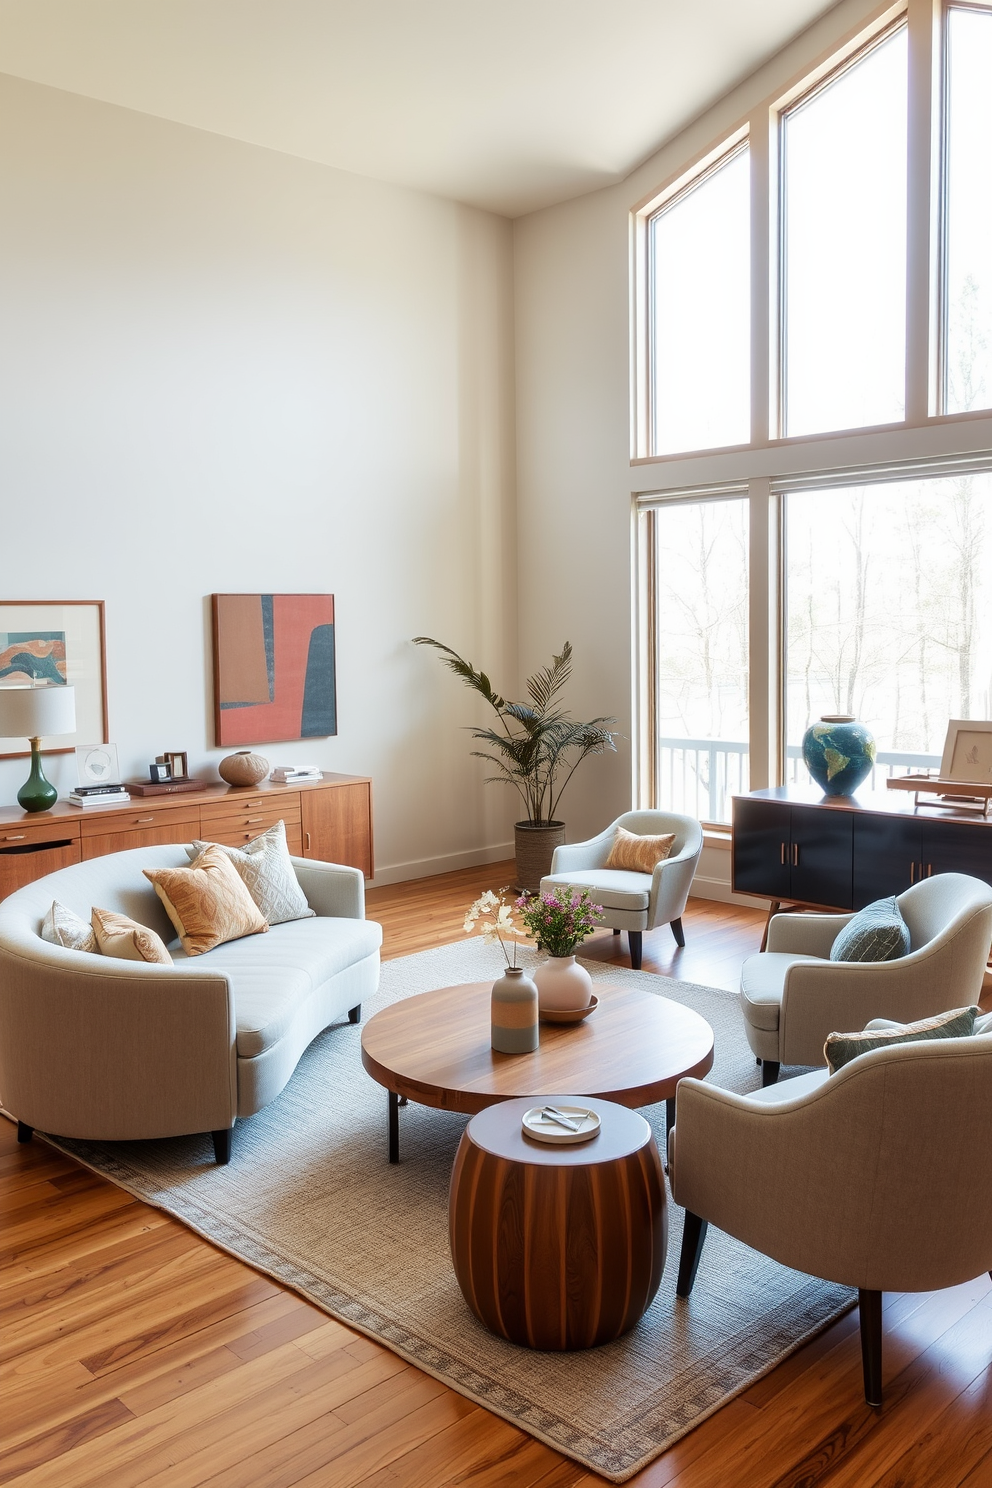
x,y
37,793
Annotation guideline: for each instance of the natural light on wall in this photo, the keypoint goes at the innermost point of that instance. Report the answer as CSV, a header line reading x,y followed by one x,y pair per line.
x,y
968,321
700,313
844,247
701,664
889,608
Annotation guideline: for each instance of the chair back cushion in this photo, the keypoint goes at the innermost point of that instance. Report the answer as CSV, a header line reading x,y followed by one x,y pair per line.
x,y
841,1048
876,933
638,854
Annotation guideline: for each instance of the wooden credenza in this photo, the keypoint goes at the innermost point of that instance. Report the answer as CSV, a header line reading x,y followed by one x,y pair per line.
x,y
841,852
329,819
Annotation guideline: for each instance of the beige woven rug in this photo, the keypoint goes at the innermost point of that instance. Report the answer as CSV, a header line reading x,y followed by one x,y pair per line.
x,y
310,1199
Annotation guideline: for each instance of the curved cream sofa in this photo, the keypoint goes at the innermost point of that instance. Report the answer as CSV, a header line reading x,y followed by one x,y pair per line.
x,y
102,1049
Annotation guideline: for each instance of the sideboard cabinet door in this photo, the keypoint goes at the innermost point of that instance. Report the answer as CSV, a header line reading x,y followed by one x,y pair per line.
x,y
887,855
761,848
957,847
822,856
337,825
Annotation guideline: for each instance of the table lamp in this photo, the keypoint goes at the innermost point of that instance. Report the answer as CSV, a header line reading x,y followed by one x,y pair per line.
x,y
33,713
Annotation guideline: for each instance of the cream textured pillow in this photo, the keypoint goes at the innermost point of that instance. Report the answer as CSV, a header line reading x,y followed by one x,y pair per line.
x,y
63,928
267,871
207,902
638,854
118,936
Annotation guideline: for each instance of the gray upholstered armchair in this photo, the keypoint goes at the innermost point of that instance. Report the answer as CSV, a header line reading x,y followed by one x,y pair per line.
x,y
878,1177
634,902
792,995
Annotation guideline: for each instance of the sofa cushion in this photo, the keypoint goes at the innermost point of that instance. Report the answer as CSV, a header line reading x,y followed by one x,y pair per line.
x,y
63,927
610,887
841,1048
267,871
876,933
117,935
271,976
638,854
207,903
762,985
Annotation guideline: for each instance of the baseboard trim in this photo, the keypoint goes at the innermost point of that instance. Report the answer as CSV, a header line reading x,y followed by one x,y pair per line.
x,y
446,863
720,890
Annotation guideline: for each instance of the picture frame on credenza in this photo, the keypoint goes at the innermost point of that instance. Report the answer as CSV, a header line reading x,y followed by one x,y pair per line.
x,y
58,642
967,756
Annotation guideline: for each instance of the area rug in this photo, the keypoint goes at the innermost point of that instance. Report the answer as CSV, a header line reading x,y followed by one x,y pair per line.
x,y
310,1199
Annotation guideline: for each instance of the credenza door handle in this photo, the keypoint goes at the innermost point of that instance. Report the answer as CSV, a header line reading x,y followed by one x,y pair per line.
x,y
912,873
929,870
307,835
795,855
782,854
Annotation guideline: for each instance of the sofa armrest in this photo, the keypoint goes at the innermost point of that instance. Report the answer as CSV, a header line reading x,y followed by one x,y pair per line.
x,y
805,934
331,888
115,1050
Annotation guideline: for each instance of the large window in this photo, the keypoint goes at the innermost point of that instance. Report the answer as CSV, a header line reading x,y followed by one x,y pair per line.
x,y
699,663
968,307
844,247
700,312
889,610
830,285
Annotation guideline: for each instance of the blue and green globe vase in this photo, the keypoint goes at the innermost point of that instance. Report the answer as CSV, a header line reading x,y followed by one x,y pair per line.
x,y
839,753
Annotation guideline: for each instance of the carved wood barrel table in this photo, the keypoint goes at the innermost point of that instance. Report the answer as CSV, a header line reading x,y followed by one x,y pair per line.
x,y
558,1247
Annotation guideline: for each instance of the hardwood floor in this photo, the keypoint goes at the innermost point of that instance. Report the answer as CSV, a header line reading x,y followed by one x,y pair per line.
x,y
134,1353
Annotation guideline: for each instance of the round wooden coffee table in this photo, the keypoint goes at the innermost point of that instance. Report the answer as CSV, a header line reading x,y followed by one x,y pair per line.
x,y
435,1049
582,1231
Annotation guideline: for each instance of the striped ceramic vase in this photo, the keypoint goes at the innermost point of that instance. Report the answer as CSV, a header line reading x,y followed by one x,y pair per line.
x,y
514,1013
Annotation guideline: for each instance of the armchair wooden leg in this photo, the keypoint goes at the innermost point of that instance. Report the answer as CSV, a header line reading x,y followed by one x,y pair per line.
x,y
678,932
769,1072
870,1311
222,1146
692,1248
355,1013
24,1132
635,940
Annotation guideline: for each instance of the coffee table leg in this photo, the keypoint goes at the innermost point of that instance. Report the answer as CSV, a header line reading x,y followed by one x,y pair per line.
x,y
394,1127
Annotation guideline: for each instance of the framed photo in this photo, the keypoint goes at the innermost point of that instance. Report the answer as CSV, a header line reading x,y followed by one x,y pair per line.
x,y
175,759
62,642
96,764
274,668
967,753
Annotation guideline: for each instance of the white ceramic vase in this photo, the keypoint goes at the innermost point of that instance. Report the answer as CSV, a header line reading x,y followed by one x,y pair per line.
x,y
562,985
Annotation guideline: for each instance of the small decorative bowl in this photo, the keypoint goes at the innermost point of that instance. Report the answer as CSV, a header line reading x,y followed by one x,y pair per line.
x,y
569,1015
243,768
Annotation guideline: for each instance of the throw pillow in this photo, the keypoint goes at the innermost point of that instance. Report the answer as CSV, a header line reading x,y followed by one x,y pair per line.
x,y
118,936
841,1048
207,902
63,928
267,871
876,933
638,854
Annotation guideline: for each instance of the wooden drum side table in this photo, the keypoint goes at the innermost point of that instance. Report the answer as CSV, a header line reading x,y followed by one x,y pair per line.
x,y
558,1247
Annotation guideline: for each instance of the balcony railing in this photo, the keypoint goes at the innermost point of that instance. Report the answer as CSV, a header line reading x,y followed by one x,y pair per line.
x,y
699,776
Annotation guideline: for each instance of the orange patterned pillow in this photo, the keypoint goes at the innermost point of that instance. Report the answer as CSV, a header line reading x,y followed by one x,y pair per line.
x,y
208,902
638,854
116,935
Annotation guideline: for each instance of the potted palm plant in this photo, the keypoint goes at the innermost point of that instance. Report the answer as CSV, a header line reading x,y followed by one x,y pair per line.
x,y
536,747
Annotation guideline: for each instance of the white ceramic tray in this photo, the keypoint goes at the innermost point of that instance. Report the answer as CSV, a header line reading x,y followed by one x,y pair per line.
x,y
545,1130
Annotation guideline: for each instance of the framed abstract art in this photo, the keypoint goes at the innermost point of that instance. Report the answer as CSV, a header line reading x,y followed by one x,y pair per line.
x,y
274,668
58,642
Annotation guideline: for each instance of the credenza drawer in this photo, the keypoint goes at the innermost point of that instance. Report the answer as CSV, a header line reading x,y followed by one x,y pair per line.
x,y
28,833
235,828
238,836
281,804
140,818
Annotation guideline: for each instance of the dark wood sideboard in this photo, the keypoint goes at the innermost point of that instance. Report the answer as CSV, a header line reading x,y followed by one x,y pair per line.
x,y
329,819
792,844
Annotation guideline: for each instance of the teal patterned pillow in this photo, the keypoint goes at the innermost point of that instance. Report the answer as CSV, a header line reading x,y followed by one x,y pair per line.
x,y
876,933
841,1048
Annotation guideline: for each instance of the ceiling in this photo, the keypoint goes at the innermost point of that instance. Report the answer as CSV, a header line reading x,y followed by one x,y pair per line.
x,y
507,104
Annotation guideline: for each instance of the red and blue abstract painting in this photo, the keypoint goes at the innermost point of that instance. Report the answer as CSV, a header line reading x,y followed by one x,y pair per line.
x,y
274,668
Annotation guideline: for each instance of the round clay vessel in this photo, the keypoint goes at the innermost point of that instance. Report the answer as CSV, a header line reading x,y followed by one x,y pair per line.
x,y
562,984
243,768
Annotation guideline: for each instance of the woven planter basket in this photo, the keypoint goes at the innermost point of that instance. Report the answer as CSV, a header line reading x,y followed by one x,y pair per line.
x,y
535,848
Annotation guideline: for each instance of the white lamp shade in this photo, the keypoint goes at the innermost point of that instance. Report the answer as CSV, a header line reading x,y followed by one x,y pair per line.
x,y
37,712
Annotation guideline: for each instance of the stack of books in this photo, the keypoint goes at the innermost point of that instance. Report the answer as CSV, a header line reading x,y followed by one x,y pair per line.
x,y
99,795
290,774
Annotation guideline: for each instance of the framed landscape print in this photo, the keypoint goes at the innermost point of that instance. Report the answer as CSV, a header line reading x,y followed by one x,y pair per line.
x,y
60,642
274,668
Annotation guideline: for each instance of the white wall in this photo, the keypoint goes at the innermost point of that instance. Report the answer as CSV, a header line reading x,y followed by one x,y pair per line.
x,y
225,369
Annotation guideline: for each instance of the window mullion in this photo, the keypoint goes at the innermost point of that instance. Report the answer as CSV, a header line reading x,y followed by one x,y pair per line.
x,y
764,176
765,668
922,210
